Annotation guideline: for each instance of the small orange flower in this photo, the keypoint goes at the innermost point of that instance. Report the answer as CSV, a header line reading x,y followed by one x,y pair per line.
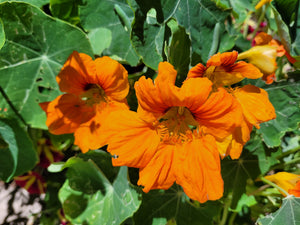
x,y
171,138
287,181
223,70
93,89
33,182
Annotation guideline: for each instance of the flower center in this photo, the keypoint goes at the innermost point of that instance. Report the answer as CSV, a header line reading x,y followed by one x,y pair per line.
x,y
94,94
176,125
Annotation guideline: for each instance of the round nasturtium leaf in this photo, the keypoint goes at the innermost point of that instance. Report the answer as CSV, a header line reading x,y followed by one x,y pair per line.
x,y
35,49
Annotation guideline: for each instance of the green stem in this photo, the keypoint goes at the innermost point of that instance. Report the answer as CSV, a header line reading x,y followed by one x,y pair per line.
x,y
260,19
232,218
225,211
289,152
216,39
274,185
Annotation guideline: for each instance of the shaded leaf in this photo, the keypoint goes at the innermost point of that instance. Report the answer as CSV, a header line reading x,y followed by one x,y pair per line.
x,y
34,51
289,213
149,31
67,10
89,198
235,174
97,16
266,156
18,154
159,206
283,30
2,34
38,3
285,97
179,50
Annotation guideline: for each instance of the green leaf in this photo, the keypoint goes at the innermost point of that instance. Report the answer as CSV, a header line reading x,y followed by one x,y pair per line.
x,y
287,214
245,200
285,97
288,11
114,17
2,34
235,174
199,18
67,10
266,156
89,198
283,30
18,154
34,52
37,3
159,206
179,50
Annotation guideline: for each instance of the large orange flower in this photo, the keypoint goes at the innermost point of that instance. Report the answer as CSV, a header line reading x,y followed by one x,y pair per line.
x,y
93,89
223,70
171,137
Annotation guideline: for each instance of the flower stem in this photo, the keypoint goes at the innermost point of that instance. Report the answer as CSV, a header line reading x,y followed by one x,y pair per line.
x,y
293,150
274,185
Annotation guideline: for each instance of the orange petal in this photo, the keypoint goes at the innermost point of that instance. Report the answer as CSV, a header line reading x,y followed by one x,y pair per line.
x,y
78,71
166,74
159,172
112,77
262,38
88,136
195,92
246,70
133,141
196,71
222,59
216,115
234,143
66,113
149,97
284,180
295,191
255,104
198,169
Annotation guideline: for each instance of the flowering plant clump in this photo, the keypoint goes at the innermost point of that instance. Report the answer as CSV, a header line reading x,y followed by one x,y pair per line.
x,y
163,112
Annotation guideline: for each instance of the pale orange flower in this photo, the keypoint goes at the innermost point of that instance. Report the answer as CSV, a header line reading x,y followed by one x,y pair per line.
x,y
287,181
171,138
223,70
264,54
93,89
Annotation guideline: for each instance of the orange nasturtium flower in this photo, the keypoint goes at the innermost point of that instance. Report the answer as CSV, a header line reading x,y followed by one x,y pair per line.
x,y
93,89
264,53
287,181
223,70
171,137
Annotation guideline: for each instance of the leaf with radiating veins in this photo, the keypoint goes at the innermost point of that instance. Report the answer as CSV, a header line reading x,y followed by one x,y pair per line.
x,y
35,49
287,214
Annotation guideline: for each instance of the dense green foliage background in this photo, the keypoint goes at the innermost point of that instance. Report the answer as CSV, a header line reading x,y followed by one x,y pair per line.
x,y
37,36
